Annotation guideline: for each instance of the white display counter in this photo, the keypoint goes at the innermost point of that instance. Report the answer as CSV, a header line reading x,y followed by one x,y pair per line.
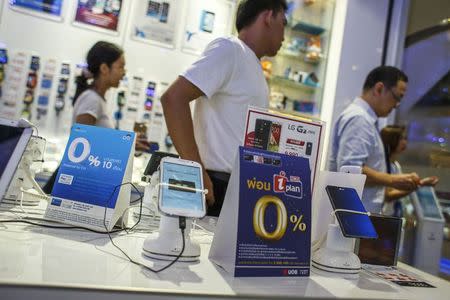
x,y
42,263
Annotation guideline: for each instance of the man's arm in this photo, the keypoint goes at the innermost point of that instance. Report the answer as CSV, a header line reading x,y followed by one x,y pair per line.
x,y
395,194
177,112
407,182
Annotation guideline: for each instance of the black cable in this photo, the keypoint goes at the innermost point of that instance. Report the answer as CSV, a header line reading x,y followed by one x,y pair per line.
x,y
182,225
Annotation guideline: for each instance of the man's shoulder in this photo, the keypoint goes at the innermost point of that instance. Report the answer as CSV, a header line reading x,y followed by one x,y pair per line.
x,y
223,43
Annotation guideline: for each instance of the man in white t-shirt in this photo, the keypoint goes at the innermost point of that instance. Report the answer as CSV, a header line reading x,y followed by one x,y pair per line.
x,y
225,80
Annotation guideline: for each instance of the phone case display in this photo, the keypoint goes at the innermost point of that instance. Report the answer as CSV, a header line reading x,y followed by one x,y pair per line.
x,y
205,21
120,101
48,74
63,83
32,81
103,14
13,84
41,8
156,22
149,98
3,63
133,102
296,75
157,123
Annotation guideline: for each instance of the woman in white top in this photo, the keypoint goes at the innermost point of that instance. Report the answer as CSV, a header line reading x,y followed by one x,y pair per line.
x,y
395,142
106,67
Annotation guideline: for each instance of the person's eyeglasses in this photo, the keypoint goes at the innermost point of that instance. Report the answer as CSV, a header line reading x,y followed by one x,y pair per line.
x,y
395,96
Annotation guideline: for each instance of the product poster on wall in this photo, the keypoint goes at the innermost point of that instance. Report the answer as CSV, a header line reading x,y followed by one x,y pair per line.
x,y
51,9
155,22
205,21
100,13
285,134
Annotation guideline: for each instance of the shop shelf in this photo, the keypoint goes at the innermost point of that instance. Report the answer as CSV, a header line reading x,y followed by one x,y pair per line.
x,y
278,80
307,28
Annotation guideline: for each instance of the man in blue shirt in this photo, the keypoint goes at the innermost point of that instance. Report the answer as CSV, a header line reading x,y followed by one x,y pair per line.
x,y
356,140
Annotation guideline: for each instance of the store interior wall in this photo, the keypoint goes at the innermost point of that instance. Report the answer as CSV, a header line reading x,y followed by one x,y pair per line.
x,y
65,42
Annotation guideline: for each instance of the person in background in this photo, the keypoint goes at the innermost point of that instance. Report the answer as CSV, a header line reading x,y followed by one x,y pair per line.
x,y
356,140
225,80
395,142
104,70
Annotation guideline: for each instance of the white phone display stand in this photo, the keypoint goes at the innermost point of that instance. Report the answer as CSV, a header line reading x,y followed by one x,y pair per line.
x,y
168,242
337,256
24,190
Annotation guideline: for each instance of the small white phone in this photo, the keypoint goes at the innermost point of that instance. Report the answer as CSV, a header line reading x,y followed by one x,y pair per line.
x,y
181,189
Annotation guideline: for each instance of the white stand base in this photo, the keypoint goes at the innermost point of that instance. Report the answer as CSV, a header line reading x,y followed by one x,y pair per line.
x,y
167,244
337,256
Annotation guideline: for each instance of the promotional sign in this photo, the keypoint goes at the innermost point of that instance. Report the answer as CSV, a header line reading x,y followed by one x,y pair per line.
x,y
43,8
102,14
205,21
285,134
266,217
89,188
156,22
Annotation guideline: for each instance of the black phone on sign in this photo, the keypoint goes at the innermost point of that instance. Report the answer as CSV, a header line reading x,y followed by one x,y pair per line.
x,y
262,133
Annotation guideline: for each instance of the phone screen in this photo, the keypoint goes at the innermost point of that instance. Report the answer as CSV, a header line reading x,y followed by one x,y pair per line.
x,y
383,250
174,198
352,224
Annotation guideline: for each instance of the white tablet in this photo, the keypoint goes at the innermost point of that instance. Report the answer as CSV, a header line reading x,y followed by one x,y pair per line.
x,y
13,142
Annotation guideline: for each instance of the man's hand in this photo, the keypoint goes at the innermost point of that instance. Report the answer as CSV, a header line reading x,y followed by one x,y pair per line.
x,y
408,182
207,183
429,181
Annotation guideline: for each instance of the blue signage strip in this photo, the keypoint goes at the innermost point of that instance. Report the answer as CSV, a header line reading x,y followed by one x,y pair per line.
x,y
274,222
93,165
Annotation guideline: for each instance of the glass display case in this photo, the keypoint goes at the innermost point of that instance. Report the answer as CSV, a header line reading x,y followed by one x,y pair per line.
x,y
296,74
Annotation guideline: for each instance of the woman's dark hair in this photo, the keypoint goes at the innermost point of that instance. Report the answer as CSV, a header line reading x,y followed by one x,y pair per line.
x,y
101,53
388,75
391,136
248,10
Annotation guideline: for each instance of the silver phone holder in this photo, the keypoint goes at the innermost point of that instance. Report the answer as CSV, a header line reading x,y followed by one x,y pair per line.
x,y
167,243
337,256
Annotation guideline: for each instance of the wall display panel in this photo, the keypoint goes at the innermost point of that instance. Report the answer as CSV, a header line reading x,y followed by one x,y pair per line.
x,y
100,15
49,9
156,22
205,21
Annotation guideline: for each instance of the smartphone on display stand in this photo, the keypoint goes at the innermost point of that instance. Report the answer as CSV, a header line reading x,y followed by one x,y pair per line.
x,y
353,224
181,189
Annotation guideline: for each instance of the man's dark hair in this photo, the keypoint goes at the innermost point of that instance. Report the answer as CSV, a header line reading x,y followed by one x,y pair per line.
x,y
388,75
248,10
